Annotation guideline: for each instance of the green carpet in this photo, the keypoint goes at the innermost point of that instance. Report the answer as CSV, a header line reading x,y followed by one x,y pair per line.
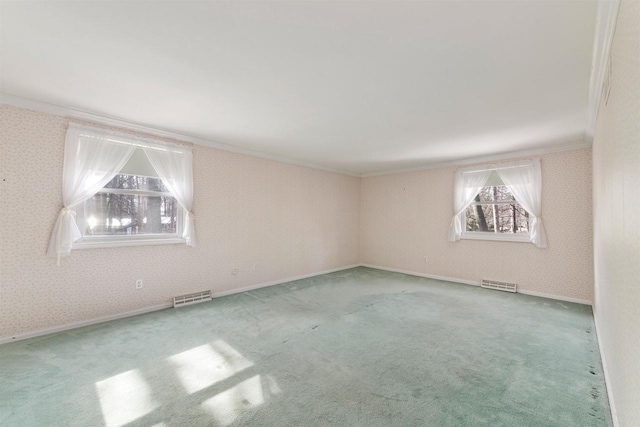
x,y
360,347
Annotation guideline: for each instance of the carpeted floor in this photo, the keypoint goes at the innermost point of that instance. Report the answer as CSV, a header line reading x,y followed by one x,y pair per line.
x,y
360,347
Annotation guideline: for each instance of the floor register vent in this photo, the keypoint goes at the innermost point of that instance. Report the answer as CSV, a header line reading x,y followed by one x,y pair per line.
x,y
498,286
191,298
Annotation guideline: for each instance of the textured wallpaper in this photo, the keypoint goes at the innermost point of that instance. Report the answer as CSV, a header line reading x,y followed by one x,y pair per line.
x,y
616,186
289,220
405,217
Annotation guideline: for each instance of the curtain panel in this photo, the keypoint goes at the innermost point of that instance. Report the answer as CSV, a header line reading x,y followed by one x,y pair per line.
x,y
175,168
90,162
525,183
467,187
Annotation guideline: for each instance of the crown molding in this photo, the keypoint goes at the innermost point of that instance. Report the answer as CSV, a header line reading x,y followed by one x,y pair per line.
x,y
567,146
606,17
72,113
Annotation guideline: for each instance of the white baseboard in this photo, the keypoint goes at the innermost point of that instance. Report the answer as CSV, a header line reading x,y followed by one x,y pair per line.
x,y
279,281
89,322
557,297
94,321
474,283
428,276
74,325
605,370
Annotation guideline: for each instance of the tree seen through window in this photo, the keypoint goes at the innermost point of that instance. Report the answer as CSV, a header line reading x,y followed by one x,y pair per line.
x,y
132,205
495,210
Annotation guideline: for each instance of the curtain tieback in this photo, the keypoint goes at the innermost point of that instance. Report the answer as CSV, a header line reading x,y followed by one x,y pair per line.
x,y
68,210
64,210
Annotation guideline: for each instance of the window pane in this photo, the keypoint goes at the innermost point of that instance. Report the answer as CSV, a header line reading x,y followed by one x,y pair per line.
x,y
485,195
479,218
505,218
136,182
522,220
502,193
130,214
494,194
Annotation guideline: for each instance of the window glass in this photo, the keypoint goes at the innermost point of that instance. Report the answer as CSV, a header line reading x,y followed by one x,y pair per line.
x,y
132,205
136,182
495,210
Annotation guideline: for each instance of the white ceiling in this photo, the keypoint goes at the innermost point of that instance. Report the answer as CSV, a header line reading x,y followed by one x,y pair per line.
x,y
355,86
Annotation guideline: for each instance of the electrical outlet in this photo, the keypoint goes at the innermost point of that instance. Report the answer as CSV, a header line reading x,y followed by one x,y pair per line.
x,y
426,259
255,267
139,284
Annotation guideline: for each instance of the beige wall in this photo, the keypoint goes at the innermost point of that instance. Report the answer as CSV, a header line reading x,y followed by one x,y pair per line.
x,y
405,217
616,197
289,220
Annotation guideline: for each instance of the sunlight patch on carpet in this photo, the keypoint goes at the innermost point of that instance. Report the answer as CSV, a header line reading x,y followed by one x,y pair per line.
x,y
125,398
207,364
227,406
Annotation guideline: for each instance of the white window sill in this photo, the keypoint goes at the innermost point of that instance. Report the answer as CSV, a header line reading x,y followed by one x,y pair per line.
x,y
497,237
96,243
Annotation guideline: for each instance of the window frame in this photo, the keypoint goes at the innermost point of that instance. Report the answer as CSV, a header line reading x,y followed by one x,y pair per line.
x,y
492,236
93,242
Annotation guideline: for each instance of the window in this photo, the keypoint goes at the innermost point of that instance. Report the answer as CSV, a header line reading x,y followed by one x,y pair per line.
x,y
495,210
499,202
135,207
494,214
120,190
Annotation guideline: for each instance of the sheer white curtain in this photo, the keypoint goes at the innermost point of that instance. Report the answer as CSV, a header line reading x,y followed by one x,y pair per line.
x,y
175,167
525,183
467,187
91,160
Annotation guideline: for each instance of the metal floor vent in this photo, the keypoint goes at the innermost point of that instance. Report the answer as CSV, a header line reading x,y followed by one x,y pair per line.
x,y
191,298
498,286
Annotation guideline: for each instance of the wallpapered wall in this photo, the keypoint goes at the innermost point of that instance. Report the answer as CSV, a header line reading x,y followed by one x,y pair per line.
x,y
616,189
289,220
405,217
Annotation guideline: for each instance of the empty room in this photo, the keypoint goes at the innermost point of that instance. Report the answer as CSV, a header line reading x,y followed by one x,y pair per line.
x,y
320,213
